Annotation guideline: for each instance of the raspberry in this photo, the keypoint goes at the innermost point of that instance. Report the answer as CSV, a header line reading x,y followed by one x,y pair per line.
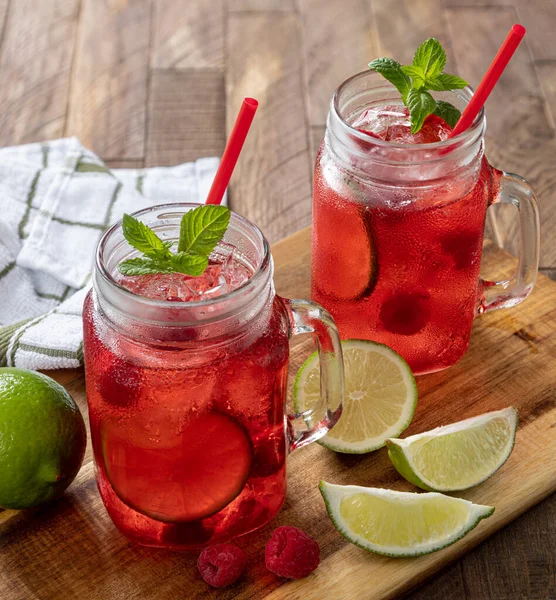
x,y
221,564
406,313
120,384
291,553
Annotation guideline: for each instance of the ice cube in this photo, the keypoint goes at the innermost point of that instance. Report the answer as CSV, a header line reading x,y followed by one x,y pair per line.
x,y
236,274
379,120
234,271
211,283
393,124
224,273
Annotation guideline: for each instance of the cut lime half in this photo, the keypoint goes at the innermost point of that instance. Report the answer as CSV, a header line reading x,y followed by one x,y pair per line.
x,y
457,456
399,523
380,396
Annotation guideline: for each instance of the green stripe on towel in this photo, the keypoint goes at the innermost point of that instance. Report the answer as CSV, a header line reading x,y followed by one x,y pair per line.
x,y
10,360
80,353
7,269
6,334
78,223
48,296
84,167
53,352
45,148
29,204
108,218
139,182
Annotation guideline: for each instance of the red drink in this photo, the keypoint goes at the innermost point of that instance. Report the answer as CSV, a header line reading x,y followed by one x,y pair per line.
x,y
186,383
417,289
398,231
149,424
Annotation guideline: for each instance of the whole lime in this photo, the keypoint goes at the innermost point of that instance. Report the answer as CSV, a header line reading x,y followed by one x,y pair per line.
x,y
42,438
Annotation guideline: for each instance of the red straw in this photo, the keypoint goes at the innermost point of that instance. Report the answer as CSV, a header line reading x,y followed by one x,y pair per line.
x,y
491,77
233,148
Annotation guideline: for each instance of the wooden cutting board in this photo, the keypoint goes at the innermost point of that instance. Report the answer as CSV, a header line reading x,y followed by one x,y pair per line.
x,y
70,549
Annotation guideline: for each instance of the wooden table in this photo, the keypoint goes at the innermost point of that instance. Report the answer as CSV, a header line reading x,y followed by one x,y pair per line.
x,y
155,82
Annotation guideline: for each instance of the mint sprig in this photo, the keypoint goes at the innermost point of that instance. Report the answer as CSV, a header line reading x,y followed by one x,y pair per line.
x,y
200,230
413,82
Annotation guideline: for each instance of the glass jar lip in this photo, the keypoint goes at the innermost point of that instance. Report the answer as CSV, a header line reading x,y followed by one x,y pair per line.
x,y
478,124
175,207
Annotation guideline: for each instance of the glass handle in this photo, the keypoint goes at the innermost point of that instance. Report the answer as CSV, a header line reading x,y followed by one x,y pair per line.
x,y
510,292
311,425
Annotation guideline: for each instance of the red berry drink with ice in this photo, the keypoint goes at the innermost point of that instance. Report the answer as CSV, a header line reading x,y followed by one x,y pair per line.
x,y
188,436
394,263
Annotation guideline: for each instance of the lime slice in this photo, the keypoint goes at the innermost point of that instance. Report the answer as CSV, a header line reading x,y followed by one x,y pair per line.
x,y
380,396
179,476
399,523
457,456
338,275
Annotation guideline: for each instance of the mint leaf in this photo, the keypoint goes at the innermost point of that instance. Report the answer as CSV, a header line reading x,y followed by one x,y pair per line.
x,y
417,76
430,56
392,71
448,112
202,228
143,238
445,82
421,104
414,81
190,264
142,266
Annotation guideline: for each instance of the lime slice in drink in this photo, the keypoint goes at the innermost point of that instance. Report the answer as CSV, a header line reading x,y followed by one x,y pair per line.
x,y
347,265
182,475
380,396
457,456
399,523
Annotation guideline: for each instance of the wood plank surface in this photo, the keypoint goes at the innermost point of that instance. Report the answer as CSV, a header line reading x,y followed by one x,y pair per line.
x,y
503,558
35,63
403,24
272,181
547,75
260,5
188,34
3,14
344,27
108,103
187,116
449,584
122,163
75,539
540,19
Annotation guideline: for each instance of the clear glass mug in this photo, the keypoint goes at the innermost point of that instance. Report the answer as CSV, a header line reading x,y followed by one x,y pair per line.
x,y
187,400
398,231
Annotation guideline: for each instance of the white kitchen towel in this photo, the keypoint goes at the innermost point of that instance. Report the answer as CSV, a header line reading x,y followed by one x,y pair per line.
x,y
56,200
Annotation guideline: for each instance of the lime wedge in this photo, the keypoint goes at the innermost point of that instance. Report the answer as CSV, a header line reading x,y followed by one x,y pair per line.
x,y
457,456
380,396
399,523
